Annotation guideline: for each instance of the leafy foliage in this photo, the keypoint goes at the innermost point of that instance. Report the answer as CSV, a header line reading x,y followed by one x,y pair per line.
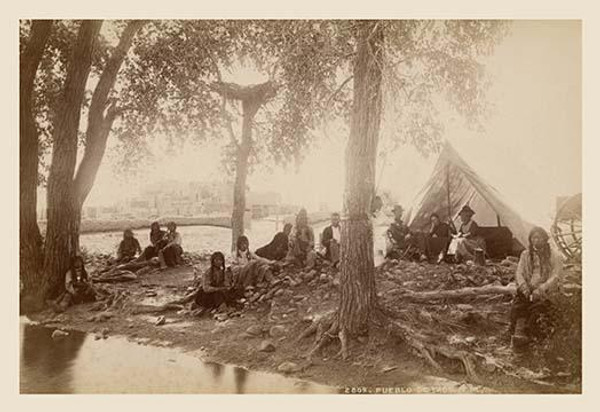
x,y
433,66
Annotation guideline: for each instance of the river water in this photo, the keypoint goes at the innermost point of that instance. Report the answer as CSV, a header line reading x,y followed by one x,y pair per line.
x,y
80,364
201,239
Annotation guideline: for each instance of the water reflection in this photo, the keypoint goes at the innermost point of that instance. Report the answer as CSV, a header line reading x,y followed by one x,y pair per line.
x,y
240,375
80,364
48,362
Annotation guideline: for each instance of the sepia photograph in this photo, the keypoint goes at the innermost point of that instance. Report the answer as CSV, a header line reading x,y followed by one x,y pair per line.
x,y
300,206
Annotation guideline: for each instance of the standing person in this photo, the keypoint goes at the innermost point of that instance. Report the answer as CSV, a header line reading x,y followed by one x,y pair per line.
x,y
277,249
330,239
171,252
468,240
157,242
537,277
78,288
217,285
302,242
128,248
438,238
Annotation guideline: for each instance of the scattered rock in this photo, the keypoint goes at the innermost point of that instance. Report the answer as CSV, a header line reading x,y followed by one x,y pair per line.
x,y
266,346
221,317
104,332
388,369
288,367
277,331
59,334
160,321
323,277
254,330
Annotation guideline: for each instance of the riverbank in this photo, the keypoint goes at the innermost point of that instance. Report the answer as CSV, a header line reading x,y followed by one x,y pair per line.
x,y
89,226
265,335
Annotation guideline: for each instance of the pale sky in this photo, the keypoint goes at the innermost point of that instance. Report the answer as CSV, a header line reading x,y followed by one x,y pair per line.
x,y
530,150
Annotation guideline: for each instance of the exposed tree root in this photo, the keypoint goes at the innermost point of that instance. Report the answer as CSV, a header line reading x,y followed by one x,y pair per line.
x,y
327,330
429,350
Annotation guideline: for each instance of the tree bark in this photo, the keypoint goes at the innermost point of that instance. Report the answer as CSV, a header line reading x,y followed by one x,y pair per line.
x,y
59,247
358,293
241,174
99,125
252,98
30,240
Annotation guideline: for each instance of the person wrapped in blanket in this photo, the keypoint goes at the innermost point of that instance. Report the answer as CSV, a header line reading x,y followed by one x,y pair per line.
x,y
302,243
217,287
157,242
128,248
468,240
170,254
277,249
78,287
537,277
247,268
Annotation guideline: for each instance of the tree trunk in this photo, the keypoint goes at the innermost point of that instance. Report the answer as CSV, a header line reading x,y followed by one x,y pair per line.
x,y
241,173
59,247
30,240
99,125
358,294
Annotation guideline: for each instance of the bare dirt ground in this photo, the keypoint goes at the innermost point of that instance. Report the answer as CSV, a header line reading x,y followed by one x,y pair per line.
x,y
265,335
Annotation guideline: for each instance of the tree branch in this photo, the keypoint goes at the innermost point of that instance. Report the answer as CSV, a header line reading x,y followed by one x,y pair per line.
x,y
98,124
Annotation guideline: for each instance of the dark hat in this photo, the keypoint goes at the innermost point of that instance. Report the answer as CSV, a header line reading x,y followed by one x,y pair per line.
x,y
466,209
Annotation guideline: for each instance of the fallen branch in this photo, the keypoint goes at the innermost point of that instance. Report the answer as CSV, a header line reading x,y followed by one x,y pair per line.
x,y
509,289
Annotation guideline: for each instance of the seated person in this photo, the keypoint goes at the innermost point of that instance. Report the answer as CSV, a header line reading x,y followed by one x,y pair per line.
x,y
302,242
170,254
247,268
537,277
128,248
464,244
438,238
278,248
78,288
330,239
157,242
400,241
217,285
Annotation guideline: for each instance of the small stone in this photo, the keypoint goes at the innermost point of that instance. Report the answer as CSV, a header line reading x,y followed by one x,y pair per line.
x,y
288,367
254,330
160,321
277,331
266,346
59,334
323,277
104,333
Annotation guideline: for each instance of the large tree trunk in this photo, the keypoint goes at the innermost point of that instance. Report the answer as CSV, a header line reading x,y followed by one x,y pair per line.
x,y
241,173
358,294
99,125
59,247
30,240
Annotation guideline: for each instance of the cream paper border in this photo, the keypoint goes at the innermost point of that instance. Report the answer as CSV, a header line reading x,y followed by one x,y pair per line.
x,y
12,10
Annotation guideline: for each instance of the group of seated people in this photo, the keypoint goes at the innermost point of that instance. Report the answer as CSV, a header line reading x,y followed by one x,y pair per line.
x,y
442,242
164,245
536,277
